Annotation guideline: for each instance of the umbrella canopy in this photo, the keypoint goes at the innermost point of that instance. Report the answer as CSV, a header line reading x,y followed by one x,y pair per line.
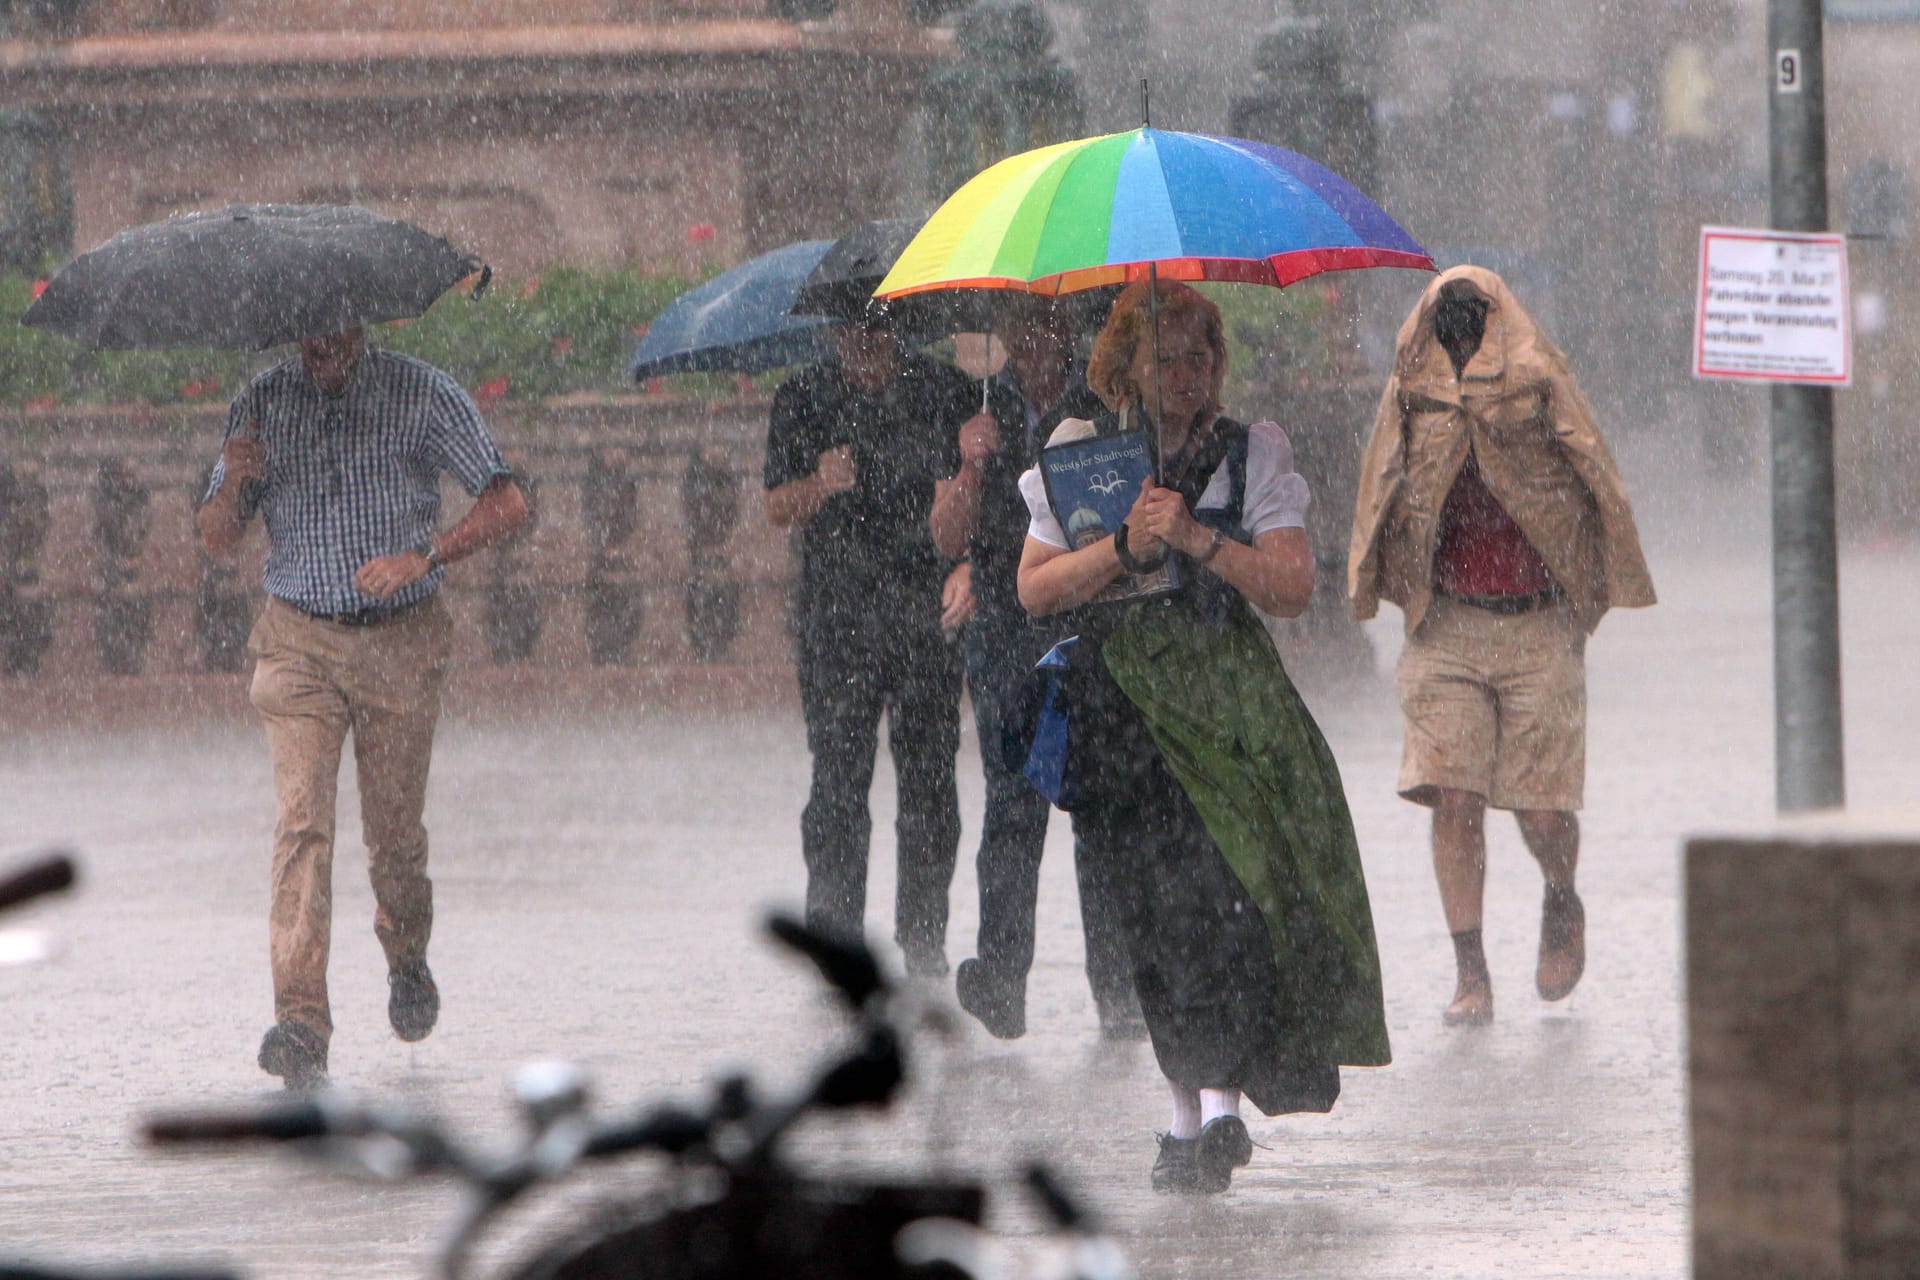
x,y
249,276
1184,206
779,308
841,285
738,321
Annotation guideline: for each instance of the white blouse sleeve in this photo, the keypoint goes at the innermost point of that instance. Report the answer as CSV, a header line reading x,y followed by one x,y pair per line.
x,y
1277,495
1042,525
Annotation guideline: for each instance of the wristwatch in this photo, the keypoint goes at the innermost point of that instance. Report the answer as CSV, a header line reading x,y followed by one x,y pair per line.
x,y
432,556
1213,548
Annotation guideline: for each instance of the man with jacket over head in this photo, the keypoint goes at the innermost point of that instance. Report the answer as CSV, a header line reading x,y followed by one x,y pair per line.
x,y
1491,512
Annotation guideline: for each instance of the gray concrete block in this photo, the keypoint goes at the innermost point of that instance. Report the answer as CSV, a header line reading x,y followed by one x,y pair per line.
x,y
1803,956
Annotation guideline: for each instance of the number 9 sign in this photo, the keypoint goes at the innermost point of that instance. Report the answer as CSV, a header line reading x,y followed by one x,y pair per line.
x,y
1786,71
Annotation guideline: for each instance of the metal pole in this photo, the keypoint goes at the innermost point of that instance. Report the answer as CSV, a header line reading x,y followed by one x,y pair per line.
x,y
1159,397
1809,768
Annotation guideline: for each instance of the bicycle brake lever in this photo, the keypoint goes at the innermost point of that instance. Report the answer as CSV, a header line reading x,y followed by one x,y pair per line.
x,y
849,965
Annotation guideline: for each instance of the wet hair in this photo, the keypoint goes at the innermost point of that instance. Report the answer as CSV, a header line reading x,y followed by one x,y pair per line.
x,y
1109,368
875,317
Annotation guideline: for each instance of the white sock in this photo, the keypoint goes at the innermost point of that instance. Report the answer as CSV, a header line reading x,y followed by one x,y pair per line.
x,y
1215,1103
1186,1112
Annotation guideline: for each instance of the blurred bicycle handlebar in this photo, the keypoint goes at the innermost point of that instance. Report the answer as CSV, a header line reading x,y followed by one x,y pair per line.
x,y
735,1134
41,873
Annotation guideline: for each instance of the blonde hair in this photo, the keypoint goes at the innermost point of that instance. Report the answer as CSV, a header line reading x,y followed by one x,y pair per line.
x,y
1109,368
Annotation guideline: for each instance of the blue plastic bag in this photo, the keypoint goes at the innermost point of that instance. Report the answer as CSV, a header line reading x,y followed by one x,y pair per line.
x,y
1049,765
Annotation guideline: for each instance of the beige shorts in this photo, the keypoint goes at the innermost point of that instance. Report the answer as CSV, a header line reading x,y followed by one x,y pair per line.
x,y
1495,704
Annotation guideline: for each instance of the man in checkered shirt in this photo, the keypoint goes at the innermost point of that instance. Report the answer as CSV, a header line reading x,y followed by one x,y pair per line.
x,y
340,451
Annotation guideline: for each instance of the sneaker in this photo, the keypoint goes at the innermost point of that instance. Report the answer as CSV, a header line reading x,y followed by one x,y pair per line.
x,y
1178,1170
1225,1145
413,1001
999,1005
296,1053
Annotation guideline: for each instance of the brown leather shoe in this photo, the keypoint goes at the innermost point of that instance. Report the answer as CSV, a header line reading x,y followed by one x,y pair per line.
x,y
1472,1005
297,1054
1563,944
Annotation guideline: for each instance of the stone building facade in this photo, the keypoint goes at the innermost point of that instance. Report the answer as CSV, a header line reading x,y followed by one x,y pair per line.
x,y
665,132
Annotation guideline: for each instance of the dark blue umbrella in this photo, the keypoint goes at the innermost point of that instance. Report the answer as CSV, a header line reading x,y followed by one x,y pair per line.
x,y
738,321
778,309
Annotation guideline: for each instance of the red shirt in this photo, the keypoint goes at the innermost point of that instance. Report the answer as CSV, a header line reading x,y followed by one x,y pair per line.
x,y
1482,552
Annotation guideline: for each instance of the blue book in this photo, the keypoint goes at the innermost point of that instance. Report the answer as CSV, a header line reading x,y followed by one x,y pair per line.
x,y
1092,485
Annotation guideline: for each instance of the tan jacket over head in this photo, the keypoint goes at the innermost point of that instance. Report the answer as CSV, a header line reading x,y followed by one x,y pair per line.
x,y
1516,405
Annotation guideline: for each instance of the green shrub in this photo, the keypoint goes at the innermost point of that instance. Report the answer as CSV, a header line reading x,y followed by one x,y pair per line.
x,y
568,330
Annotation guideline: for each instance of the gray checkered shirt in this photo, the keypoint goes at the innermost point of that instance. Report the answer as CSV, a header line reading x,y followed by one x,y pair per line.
x,y
356,476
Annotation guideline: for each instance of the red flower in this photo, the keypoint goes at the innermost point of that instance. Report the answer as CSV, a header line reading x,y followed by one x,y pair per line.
x,y
39,287
562,345
743,384
655,386
42,402
640,330
530,287
701,233
495,387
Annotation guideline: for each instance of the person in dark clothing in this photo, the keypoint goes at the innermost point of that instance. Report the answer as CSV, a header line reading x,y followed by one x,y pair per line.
x,y
979,515
1218,807
854,447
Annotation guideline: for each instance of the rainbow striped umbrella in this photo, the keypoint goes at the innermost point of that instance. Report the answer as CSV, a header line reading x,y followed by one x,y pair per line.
x,y
1183,206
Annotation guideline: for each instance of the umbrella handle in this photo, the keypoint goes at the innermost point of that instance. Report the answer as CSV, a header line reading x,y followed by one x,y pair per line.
x,y
486,278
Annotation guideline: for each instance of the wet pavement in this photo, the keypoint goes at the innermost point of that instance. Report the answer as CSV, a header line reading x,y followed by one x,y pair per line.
x,y
598,884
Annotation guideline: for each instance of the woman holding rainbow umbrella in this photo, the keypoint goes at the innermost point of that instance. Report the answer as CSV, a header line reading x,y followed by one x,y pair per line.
x,y
1216,801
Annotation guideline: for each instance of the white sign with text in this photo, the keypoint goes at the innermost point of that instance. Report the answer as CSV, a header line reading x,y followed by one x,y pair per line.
x,y
1773,306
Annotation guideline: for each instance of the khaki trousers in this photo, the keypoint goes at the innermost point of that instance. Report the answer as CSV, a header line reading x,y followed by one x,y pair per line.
x,y
1495,704
313,683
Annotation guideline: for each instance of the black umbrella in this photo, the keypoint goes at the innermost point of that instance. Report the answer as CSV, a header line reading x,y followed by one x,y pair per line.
x,y
249,276
841,284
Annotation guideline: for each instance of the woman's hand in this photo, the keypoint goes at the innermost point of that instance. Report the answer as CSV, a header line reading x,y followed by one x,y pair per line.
x,y
1162,513
1143,543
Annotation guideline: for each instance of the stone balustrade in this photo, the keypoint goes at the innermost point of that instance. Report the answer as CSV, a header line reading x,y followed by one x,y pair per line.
x,y
647,547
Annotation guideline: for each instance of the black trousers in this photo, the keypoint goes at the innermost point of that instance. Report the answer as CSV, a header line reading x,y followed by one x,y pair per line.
x,y
1000,652
849,677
